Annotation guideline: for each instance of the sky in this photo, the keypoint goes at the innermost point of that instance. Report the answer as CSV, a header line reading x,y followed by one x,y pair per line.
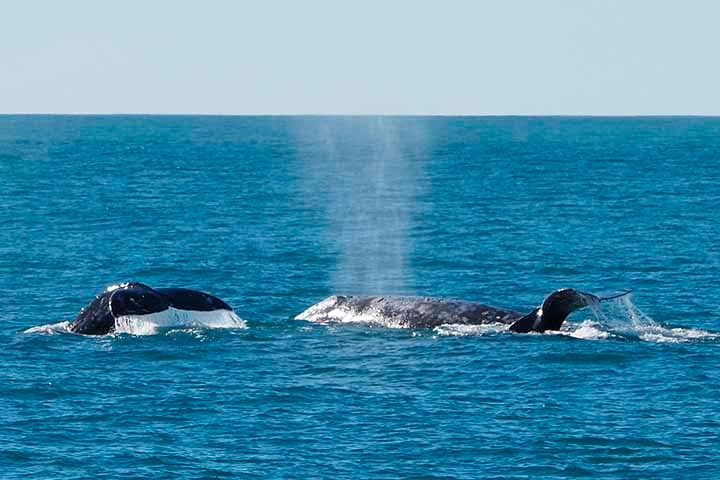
x,y
442,57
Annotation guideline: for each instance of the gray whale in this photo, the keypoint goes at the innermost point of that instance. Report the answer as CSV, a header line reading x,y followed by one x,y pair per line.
x,y
429,312
134,301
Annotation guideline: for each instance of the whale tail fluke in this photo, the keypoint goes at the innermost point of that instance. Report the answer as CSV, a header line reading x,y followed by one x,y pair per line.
x,y
556,308
134,303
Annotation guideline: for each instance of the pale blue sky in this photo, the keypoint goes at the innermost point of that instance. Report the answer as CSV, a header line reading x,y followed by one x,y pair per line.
x,y
361,57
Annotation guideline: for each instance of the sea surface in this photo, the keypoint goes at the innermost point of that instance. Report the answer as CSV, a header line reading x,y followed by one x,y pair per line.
x,y
273,214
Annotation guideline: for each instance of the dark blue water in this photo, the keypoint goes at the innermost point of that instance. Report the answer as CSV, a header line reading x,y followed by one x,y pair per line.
x,y
274,214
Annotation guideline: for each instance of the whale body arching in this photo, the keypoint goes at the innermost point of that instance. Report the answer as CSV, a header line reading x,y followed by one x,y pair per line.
x,y
429,312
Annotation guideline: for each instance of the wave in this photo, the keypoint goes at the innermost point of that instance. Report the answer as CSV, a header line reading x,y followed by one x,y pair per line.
x,y
156,322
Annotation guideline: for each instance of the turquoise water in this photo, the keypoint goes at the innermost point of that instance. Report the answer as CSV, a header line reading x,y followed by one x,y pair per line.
x,y
272,214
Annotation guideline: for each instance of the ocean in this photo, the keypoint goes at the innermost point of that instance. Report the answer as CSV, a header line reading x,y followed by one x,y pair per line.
x,y
273,214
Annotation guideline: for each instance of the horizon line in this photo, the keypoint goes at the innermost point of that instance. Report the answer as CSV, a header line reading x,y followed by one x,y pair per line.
x,y
427,115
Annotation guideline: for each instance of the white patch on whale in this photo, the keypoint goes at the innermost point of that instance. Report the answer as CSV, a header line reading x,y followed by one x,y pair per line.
x,y
328,311
173,317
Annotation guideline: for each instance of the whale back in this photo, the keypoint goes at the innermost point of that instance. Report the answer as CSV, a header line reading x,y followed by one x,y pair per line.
x,y
95,318
554,310
405,312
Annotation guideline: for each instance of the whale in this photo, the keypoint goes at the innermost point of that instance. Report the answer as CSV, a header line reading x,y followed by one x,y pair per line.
x,y
120,307
431,312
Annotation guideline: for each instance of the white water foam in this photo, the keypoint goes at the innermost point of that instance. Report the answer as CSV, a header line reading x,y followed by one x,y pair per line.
x,y
460,330
613,319
587,330
50,328
621,318
150,324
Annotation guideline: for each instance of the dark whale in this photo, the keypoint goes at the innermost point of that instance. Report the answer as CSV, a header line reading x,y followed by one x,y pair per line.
x,y
428,312
136,302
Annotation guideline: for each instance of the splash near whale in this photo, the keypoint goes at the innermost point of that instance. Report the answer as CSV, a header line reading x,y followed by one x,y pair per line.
x,y
134,307
429,312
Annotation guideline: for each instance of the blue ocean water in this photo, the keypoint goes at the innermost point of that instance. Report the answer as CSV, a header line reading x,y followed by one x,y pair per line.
x,y
272,214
